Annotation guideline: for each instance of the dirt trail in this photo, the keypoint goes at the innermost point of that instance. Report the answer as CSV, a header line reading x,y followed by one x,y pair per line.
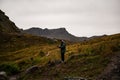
x,y
112,71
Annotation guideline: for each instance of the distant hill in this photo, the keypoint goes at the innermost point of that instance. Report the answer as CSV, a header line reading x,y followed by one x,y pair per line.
x,y
6,25
60,33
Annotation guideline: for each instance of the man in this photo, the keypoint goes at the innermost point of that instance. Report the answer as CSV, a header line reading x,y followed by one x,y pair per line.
x,y
63,49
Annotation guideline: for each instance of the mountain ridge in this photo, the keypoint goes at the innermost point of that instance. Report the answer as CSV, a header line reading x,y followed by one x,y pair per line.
x,y
59,33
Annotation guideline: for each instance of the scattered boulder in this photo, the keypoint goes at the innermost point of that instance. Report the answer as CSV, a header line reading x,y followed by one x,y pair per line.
x,y
3,76
32,69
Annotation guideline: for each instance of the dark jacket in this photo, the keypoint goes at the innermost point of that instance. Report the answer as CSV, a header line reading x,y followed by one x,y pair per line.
x,y
63,47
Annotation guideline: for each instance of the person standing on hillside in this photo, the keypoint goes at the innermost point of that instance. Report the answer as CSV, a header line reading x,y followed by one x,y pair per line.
x,y
63,49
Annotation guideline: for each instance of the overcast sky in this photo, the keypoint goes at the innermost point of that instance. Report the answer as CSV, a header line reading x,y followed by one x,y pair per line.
x,y
79,17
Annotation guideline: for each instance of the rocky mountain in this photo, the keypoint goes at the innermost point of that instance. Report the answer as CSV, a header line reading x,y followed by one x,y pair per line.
x,y
6,25
60,33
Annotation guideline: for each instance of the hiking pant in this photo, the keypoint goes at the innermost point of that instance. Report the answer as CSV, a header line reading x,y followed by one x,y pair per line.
x,y
62,56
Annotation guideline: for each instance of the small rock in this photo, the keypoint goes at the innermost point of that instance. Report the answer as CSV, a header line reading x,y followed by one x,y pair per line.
x,y
3,75
32,69
13,78
48,54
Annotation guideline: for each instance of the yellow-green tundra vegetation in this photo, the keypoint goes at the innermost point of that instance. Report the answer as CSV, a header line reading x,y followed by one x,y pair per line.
x,y
83,59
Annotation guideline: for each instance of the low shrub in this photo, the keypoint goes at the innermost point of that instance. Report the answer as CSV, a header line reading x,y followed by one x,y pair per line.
x,y
9,68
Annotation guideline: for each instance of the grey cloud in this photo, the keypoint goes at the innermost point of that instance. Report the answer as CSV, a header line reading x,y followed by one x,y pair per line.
x,y
94,16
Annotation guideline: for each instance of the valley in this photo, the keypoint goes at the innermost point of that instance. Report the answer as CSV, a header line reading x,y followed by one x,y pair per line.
x,y
87,59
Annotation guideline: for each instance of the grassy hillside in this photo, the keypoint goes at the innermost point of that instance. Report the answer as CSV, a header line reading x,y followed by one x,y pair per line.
x,y
13,41
86,59
17,49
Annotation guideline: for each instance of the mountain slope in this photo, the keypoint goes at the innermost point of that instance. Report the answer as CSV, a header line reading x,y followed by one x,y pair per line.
x,y
12,39
60,33
6,25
